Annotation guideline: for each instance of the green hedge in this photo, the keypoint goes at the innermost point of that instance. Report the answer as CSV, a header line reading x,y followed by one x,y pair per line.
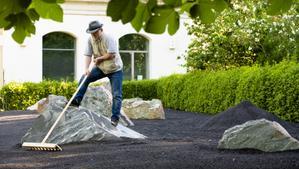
x,y
273,88
208,92
18,96
146,89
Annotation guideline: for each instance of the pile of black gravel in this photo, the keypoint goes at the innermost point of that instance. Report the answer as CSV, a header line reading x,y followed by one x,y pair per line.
x,y
240,114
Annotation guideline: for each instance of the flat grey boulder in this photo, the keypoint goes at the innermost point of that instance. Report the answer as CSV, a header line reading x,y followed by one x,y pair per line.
x,y
98,99
77,125
261,134
136,108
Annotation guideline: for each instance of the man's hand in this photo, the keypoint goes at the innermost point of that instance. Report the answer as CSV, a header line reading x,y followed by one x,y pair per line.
x,y
98,60
87,72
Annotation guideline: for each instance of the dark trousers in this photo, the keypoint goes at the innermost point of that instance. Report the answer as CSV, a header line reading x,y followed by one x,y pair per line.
x,y
116,86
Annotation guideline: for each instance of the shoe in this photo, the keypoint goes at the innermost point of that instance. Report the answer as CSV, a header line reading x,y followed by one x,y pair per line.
x,y
75,102
114,121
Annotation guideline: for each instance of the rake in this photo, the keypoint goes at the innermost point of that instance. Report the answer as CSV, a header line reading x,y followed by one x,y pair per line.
x,y
51,146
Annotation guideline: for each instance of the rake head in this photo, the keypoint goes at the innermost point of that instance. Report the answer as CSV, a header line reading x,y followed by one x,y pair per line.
x,y
41,146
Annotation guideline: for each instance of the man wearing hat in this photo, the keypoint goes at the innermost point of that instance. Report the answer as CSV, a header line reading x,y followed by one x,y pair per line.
x,y
103,50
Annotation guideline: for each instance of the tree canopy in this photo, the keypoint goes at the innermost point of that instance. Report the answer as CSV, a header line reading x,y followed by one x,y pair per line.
x,y
243,35
151,15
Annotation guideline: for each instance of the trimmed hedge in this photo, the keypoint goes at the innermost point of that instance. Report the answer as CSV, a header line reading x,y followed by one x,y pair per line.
x,y
207,92
273,88
19,96
146,89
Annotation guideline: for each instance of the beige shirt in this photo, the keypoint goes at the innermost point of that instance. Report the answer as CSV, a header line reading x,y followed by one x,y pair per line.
x,y
99,47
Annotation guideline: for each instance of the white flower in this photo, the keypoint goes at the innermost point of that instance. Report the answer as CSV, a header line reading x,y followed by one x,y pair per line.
x,y
239,22
236,6
205,45
245,9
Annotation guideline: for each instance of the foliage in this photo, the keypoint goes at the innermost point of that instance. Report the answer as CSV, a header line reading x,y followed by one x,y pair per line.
x,y
273,88
145,89
244,35
19,96
154,17
199,91
22,15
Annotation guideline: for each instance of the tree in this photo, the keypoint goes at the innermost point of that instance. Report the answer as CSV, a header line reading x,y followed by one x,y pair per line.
x,y
243,35
22,14
151,15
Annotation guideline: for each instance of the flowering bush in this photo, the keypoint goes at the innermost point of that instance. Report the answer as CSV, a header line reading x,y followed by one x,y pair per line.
x,y
244,35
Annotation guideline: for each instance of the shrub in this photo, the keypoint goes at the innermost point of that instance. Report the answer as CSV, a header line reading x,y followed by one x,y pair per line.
x,y
283,82
201,91
145,89
18,96
169,90
243,36
273,88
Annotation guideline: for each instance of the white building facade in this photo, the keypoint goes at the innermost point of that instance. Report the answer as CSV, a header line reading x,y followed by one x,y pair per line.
x,y
39,57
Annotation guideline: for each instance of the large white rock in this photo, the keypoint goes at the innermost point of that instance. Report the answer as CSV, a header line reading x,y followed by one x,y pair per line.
x,y
78,124
137,108
97,99
259,134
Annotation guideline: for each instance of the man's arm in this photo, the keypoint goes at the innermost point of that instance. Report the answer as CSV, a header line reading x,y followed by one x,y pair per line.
x,y
107,56
87,64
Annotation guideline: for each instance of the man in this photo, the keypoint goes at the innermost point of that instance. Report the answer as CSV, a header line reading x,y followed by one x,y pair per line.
x,y
102,49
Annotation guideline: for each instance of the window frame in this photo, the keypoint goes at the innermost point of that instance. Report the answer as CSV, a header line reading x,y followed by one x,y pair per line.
x,y
62,50
132,54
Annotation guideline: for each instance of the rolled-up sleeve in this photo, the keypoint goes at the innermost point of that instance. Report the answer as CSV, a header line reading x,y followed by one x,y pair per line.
x,y
112,45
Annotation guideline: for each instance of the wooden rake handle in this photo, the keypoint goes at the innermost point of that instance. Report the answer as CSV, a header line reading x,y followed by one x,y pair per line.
x,y
63,111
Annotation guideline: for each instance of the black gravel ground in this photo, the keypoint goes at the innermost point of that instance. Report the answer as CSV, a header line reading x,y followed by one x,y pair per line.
x,y
183,140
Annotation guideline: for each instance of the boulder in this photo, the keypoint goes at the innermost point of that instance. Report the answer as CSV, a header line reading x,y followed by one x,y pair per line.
x,y
261,134
137,108
77,124
97,99
39,106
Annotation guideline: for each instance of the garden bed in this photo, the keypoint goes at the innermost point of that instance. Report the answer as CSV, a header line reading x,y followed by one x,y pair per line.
x,y
180,141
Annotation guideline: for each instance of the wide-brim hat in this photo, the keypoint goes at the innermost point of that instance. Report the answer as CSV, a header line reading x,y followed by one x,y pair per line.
x,y
94,26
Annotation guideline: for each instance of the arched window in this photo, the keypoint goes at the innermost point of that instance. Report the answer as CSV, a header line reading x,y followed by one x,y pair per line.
x,y
58,56
134,53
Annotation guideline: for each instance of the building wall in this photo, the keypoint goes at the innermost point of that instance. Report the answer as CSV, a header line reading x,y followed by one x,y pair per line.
x,y
1,57
24,62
